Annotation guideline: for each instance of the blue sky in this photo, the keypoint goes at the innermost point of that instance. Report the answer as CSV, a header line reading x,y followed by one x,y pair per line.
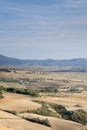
x,y
43,29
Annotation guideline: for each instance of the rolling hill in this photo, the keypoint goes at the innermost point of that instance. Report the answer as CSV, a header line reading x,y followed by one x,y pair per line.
x,y
77,64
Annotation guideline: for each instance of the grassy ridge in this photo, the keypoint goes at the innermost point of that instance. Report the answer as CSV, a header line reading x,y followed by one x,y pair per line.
x,y
60,111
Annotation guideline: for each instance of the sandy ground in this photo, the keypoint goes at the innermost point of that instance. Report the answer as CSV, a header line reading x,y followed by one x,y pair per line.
x,y
18,103
70,101
4,128
12,122
58,124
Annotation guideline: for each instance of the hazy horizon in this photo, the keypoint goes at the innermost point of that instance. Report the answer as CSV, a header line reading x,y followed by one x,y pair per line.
x,y
49,29
43,59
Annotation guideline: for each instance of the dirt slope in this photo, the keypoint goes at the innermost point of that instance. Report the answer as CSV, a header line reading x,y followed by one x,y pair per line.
x,y
12,122
58,124
4,128
18,103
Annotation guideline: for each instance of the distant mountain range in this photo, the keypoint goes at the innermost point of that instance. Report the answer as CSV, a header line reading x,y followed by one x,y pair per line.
x,y
77,64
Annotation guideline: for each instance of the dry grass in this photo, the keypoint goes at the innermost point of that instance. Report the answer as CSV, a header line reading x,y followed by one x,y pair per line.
x,y
10,121
16,123
18,103
4,128
70,101
22,103
65,79
57,124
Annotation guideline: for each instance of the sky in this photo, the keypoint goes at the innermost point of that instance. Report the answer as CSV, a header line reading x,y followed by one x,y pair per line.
x,y
43,29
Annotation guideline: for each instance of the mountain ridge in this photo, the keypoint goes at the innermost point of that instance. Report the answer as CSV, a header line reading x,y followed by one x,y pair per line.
x,y
75,62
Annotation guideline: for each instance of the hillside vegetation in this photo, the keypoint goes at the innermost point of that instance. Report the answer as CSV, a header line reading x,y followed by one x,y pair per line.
x,y
42,98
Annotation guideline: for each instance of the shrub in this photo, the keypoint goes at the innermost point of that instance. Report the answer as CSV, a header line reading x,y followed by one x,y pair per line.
x,y
60,111
45,110
1,95
74,90
12,112
1,91
5,69
79,116
30,92
1,88
37,120
11,90
49,89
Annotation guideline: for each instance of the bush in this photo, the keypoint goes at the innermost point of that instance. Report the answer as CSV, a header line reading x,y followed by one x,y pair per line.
x,y
11,90
1,91
1,88
74,90
37,120
30,92
45,110
1,95
60,111
5,69
49,89
12,112
79,116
